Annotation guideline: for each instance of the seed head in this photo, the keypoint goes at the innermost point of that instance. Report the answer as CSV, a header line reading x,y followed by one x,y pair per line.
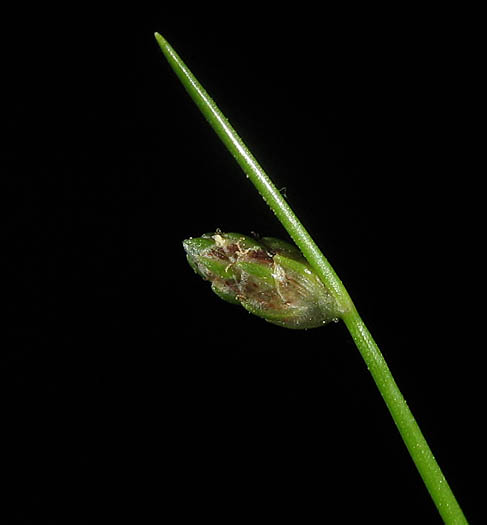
x,y
268,277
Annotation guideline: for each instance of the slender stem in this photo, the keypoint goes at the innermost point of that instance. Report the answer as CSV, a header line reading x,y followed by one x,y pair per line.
x,y
415,442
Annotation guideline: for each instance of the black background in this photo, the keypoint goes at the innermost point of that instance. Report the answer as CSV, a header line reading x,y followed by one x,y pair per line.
x,y
129,389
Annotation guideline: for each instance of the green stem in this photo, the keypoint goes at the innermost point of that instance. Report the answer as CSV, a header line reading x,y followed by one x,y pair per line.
x,y
416,444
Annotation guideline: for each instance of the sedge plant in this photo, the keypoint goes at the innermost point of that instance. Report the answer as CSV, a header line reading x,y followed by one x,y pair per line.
x,y
296,288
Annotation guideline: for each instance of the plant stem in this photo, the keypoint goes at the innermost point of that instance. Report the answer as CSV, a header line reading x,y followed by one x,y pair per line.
x,y
415,442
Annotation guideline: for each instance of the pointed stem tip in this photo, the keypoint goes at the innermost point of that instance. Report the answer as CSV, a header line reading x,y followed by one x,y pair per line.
x,y
160,39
